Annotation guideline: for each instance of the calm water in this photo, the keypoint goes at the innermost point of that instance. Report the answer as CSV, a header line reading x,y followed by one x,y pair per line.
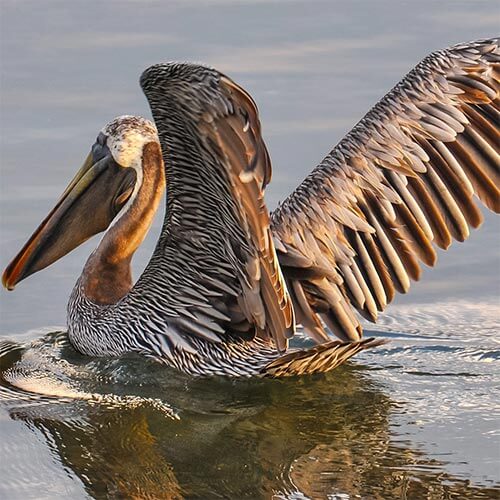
x,y
417,418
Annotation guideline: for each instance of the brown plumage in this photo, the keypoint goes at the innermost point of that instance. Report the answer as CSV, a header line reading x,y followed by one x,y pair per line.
x,y
403,180
228,282
319,359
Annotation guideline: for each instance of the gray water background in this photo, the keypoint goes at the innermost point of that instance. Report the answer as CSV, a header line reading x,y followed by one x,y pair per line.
x,y
314,68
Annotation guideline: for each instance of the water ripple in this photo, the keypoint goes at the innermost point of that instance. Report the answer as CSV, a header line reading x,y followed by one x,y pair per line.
x,y
130,427
39,373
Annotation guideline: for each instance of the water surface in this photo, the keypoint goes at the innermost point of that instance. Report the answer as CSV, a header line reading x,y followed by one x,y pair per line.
x,y
418,417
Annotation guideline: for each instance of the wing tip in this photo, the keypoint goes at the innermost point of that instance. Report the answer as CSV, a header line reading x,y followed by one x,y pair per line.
x,y
319,359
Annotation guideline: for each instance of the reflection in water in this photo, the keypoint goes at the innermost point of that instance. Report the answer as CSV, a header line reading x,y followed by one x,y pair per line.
x,y
319,436
112,452
314,70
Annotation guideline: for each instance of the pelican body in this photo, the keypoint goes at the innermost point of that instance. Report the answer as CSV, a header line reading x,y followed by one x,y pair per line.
x,y
228,282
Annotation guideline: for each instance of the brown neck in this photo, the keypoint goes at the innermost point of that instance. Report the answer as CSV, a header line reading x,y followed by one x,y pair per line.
x,y
107,275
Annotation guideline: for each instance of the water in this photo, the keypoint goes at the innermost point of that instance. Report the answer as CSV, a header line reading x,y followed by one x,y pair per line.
x,y
417,418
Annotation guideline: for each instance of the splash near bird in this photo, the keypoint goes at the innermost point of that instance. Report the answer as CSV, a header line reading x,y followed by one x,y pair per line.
x,y
228,282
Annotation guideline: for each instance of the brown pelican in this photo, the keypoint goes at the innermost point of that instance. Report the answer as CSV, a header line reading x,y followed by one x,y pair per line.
x,y
227,281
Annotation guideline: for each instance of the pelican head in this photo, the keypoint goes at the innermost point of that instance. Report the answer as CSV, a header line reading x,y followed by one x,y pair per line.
x,y
102,189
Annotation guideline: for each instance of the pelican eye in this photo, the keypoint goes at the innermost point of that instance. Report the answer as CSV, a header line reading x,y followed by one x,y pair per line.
x,y
100,148
101,139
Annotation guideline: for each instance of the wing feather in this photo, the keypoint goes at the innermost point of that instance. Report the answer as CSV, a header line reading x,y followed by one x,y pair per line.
x,y
402,181
221,278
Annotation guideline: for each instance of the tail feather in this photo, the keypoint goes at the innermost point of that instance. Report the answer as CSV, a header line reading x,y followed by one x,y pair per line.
x,y
319,359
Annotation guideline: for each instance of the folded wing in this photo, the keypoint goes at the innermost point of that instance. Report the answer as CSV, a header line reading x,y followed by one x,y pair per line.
x,y
220,278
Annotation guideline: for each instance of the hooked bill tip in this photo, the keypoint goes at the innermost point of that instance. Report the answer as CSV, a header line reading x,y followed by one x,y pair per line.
x,y
6,282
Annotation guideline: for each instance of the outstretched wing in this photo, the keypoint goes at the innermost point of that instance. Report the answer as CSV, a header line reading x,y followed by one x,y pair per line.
x,y
403,180
219,275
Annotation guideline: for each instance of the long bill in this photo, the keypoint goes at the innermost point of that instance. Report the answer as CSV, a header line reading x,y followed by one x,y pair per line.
x,y
88,205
